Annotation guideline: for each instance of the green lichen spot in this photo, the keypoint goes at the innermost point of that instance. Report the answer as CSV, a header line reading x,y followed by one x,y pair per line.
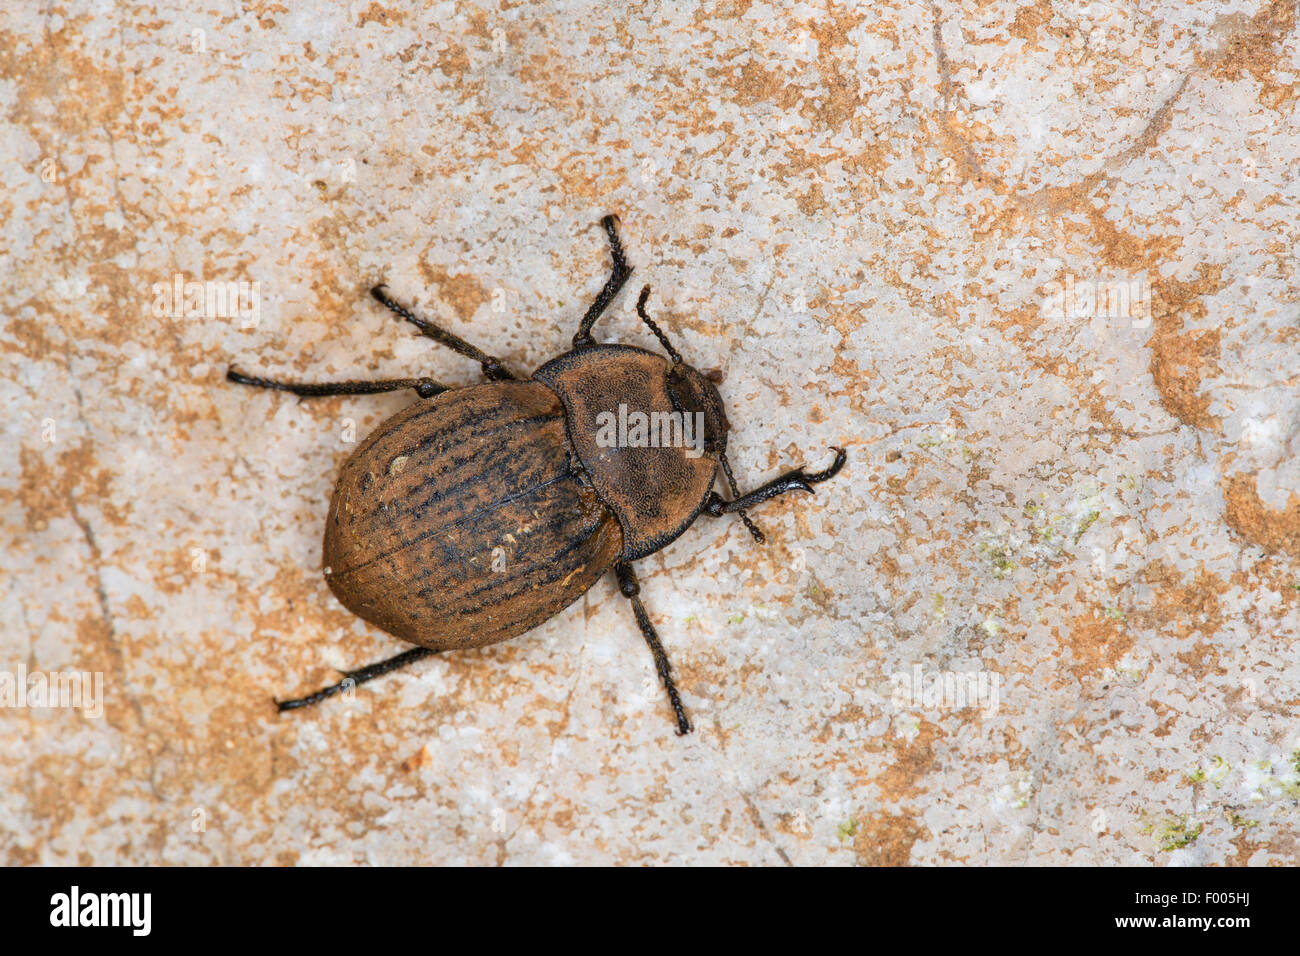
x,y
736,619
998,556
1088,520
1174,833
847,830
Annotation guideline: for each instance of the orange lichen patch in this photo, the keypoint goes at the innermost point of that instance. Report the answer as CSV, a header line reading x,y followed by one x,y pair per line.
x,y
464,293
913,760
61,797
1095,641
1247,515
56,70
33,340
183,567
886,839
1178,363
751,84
1029,19
1122,249
1274,573
46,482
1180,359
418,760
1244,846
51,480
1022,321
1254,45
1201,660
454,61
1181,607
384,16
303,612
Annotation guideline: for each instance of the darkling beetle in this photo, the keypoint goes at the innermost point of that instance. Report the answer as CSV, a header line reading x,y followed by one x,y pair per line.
x,y
477,513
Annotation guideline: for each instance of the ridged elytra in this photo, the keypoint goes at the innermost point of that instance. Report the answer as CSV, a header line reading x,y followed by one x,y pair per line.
x,y
477,513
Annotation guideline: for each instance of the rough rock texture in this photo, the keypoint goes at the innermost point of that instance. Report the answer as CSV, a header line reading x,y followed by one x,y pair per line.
x,y
1032,264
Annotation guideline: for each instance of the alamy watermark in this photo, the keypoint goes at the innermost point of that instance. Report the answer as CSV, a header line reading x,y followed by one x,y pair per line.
x,y
208,299
637,429
132,911
83,690
946,690
1099,298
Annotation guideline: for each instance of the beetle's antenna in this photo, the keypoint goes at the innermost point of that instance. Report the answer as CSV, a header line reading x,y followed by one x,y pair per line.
x,y
735,493
659,334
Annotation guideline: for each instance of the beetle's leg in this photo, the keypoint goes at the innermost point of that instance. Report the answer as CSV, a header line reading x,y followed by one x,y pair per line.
x,y
797,480
424,387
492,367
360,676
618,273
627,583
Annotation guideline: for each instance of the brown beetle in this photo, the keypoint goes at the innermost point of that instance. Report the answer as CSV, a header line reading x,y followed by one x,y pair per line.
x,y
478,513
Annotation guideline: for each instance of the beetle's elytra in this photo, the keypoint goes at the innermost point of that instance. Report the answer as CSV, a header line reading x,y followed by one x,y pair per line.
x,y
477,513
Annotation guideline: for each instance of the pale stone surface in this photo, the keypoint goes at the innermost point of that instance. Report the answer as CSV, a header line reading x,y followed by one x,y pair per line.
x,y
884,223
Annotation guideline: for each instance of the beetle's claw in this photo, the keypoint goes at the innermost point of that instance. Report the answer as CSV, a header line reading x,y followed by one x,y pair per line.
x,y
818,477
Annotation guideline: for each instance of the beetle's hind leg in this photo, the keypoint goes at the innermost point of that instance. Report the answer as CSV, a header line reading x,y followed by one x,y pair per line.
x,y
354,678
424,387
618,274
627,583
492,367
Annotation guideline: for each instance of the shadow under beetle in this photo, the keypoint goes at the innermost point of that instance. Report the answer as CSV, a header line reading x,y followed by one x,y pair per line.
x,y
479,512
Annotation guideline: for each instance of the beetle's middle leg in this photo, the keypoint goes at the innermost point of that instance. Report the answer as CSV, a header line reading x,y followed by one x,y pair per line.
x,y
424,387
360,676
627,583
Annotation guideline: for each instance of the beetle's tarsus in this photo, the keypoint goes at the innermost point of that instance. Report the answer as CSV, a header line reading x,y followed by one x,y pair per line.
x,y
492,366
755,533
797,480
826,474
354,678
631,589
618,274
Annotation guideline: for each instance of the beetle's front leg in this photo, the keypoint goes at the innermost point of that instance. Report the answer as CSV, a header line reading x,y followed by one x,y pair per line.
x,y
618,273
627,583
797,480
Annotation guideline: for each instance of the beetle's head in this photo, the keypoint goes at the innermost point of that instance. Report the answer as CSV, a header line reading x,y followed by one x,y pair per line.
x,y
692,390
693,393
